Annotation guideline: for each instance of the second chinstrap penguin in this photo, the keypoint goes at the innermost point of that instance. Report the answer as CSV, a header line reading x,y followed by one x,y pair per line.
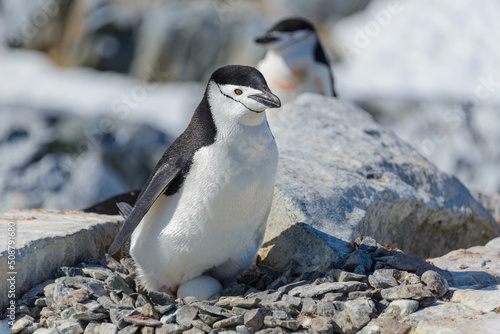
x,y
204,209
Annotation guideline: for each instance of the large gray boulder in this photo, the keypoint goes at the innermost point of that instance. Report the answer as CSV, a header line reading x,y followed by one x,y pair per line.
x,y
341,175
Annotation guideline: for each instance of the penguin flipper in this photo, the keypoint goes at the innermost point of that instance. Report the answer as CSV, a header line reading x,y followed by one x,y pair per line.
x,y
157,185
124,208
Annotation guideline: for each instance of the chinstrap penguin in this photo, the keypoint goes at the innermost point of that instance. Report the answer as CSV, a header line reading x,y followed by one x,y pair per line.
x,y
204,208
295,62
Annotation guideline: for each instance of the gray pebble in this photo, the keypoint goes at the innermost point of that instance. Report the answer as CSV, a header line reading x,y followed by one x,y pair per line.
x,y
117,316
229,322
435,282
169,329
253,320
185,315
289,324
116,282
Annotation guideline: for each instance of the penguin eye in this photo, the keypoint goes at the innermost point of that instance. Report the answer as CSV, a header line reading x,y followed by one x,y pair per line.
x,y
238,91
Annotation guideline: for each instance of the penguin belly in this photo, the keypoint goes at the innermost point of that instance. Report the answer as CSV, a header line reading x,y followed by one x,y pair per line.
x,y
216,220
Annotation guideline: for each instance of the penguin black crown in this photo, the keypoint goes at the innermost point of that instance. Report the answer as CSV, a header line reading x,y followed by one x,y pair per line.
x,y
203,211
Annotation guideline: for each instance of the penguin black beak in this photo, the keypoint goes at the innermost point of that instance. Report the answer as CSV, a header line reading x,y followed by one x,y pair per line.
x,y
268,99
265,39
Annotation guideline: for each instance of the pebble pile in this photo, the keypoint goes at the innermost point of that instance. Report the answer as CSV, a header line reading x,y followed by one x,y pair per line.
x,y
377,287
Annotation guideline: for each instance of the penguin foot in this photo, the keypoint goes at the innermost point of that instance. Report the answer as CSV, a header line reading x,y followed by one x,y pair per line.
x,y
167,291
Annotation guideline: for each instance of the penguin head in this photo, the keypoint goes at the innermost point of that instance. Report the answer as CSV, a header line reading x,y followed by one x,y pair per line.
x,y
287,33
239,93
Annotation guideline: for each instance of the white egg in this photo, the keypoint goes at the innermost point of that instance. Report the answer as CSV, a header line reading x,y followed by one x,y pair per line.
x,y
199,288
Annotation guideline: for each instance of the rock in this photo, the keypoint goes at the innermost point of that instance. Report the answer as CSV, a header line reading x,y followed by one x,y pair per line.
x,y
415,291
169,329
398,309
360,311
315,290
358,258
452,318
317,324
434,282
477,265
201,325
385,325
194,330
368,244
70,236
81,295
253,320
117,316
272,321
229,322
108,328
241,329
213,309
88,316
382,188
22,323
185,315
161,298
70,327
69,271
404,262
382,278
485,299
142,320
116,282
344,276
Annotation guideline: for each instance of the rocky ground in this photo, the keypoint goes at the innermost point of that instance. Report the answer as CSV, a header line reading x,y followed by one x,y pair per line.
x,y
377,287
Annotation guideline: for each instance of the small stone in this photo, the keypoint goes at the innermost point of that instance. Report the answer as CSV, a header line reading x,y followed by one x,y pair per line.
x,y
282,315
295,301
279,306
161,298
308,291
278,283
108,328
185,315
383,325
81,295
426,301
212,309
209,319
235,290
149,310
360,311
21,323
403,262
142,320
30,329
416,291
241,329
359,294
108,261
127,301
245,302
67,313
69,271
114,297
106,302
116,282
87,316
383,278
97,272
194,330
148,330
317,324
272,321
133,329
345,276
70,327
309,305
229,322
253,320
117,316
88,306
333,296
97,288
328,309
41,302
368,244
162,309
358,257
141,300
360,270
169,329
201,325
435,282
409,278
287,288
398,309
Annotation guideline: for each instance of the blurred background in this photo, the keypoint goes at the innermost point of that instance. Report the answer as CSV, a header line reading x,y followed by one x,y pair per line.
x,y
93,91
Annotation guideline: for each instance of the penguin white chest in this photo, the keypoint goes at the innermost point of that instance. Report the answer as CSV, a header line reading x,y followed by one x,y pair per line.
x,y
217,220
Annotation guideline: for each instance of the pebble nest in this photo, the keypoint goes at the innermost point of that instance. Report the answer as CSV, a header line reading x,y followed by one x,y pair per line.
x,y
376,288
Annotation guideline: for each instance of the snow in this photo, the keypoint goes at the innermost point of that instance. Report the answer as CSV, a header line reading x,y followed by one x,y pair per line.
x,y
431,72
29,79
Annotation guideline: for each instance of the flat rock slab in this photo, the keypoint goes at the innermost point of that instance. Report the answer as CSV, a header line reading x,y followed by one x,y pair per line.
x,y
342,175
453,318
46,240
475,266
